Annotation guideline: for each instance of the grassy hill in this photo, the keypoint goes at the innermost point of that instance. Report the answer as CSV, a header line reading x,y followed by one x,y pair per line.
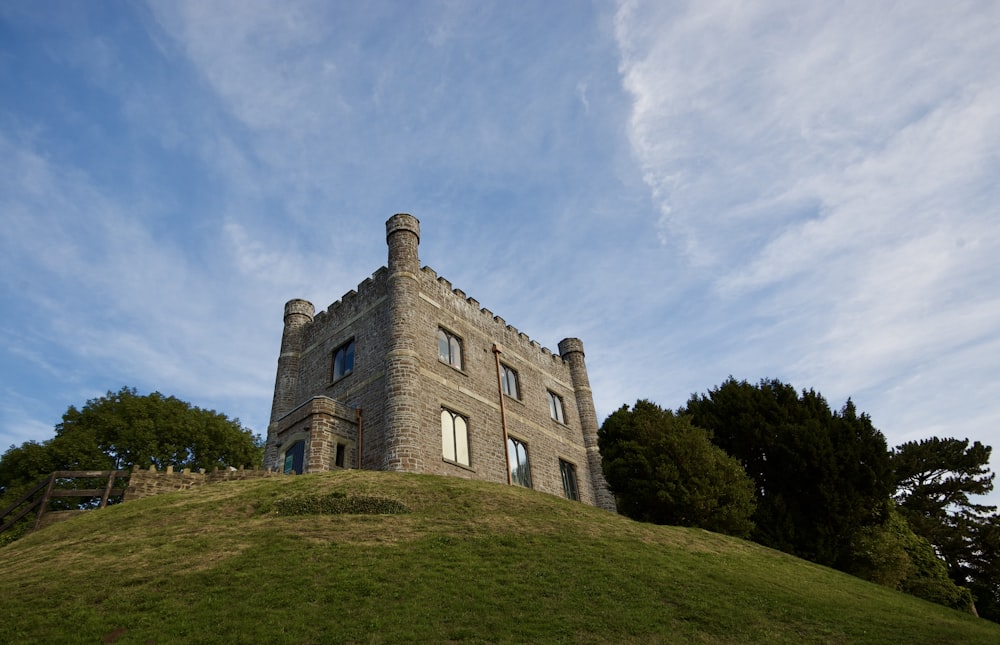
x,y
469,562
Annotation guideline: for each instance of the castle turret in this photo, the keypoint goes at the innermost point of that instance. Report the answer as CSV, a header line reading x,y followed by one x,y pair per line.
x,y
402,400
571,350
298,315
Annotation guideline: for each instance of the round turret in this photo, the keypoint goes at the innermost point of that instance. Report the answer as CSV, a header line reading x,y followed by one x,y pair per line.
x,y
402,234
298,312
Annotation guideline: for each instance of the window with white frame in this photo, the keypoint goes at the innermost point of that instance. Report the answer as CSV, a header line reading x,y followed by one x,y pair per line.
x,y
343,361
508,381
556,407
449,349
454,437
517,456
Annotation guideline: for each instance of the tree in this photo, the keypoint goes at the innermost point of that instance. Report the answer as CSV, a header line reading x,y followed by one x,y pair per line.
x,y
123,429
892,555
821,476
936,481
664,470
984,567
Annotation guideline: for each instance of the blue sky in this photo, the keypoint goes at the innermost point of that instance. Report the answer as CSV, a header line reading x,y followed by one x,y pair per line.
x,y
803,191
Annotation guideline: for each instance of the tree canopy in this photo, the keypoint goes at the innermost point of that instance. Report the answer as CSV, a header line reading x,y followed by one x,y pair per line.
x,y
821,476
123,429
936,483
664,470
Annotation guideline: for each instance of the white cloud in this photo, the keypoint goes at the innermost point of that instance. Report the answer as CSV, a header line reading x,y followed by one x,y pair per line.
x,y
834,166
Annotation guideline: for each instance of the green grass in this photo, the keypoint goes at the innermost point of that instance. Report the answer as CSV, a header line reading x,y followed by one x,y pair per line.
x,y
469,562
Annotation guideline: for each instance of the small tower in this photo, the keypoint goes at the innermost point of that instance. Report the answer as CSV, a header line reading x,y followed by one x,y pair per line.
x,y
298,315
571,350
402,397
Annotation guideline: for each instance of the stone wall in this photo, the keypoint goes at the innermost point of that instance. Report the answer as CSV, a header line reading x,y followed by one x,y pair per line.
x,y
146,483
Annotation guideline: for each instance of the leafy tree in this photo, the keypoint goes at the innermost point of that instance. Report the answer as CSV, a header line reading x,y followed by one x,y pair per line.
x,y
821,476
664,470
936,481
892,555
122,429
984,567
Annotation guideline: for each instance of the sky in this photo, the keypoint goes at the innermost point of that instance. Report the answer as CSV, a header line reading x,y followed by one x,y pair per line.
x,y
697,190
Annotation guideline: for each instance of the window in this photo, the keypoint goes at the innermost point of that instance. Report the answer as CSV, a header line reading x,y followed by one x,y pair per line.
x,y
454,437
449,349
517,456
343,360
556,407
508,380
568,472
294,456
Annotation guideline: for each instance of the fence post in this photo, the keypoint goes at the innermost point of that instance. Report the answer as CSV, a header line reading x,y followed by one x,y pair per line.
x,y
107,489
45,501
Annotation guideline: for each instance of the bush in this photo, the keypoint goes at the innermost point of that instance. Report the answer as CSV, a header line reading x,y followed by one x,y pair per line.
x,y
892,555
664,470
338,503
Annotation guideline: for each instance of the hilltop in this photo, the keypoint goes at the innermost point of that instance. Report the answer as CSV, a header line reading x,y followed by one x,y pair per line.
x,y
458,561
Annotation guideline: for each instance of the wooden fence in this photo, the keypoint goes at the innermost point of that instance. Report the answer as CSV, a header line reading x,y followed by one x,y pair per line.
x,y
38,501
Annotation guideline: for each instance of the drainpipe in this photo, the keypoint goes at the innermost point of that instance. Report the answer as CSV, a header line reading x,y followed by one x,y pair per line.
x,y
361,443
497,349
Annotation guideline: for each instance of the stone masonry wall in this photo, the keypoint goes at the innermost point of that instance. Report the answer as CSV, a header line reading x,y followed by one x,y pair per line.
x,y
474,393
146,483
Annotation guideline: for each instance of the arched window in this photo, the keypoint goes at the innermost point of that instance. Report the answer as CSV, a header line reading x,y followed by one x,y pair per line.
x,y
449,349
568,472
556,407
454,437
520,471
508,379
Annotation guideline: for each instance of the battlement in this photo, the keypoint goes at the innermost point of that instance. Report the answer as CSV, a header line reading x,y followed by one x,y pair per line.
x,y
488,319
369,290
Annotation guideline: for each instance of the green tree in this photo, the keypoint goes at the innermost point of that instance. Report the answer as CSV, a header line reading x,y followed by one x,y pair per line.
x,y
821,476
984,567
124,429
892,555
664,470
936,483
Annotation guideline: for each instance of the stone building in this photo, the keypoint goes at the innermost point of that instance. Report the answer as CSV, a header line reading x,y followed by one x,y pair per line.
x,y
407,373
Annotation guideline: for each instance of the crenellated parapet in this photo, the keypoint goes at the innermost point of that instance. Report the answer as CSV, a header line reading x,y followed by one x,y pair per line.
x,y
491,323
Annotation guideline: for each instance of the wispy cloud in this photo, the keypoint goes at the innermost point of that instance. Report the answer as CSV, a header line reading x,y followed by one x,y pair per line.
x,y
833,165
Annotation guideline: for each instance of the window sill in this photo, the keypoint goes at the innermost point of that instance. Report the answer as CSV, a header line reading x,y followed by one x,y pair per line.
x,y
457,369
460,465
338,380
515,399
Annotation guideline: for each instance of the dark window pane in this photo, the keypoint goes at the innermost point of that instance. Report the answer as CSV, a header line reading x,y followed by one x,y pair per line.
x,y
294,456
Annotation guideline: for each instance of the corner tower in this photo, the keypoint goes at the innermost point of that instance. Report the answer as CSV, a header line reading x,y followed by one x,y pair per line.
x,y
402,361
571,350
298,315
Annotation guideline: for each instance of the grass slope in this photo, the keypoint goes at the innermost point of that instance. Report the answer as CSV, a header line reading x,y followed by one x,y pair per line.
x,y
471,562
